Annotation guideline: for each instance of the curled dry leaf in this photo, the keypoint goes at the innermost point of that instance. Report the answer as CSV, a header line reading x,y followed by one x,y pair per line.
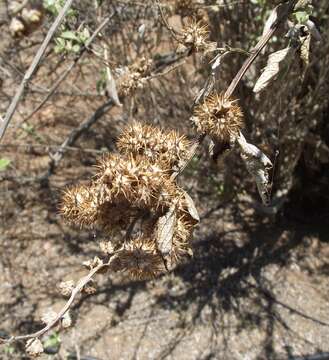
x,y
305,52
257,164
192,210
277,12
34,347
313,30
275,63
111,86
165,230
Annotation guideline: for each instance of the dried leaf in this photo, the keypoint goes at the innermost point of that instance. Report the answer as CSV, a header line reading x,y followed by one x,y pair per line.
x,y
270,21
191,207
165,231
110,83
257,164
34,347
305,52
275,14
275,63
313,30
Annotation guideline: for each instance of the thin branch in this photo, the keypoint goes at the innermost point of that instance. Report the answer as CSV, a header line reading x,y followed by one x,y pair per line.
x,y
68,70
283,11
82,282
165,22
31,70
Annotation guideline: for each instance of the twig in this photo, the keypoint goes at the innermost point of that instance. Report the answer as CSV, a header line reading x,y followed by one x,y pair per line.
x,y
82,282
77,132
170,28
13,105
69,69
283,12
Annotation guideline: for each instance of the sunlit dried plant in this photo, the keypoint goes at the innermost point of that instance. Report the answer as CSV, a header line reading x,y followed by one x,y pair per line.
x,y
219,117
166,148
134,189
195,37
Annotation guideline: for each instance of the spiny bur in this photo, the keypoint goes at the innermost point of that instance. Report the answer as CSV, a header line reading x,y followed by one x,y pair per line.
x,y
167,148
135,188
219,117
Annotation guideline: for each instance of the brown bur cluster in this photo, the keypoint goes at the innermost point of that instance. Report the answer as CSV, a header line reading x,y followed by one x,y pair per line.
x,y
147,218
219,117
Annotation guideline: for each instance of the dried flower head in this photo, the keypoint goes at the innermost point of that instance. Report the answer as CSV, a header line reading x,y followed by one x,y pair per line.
x,y
219,117
140,259
136,180
166,148
80,204
133,76
195,35
181,239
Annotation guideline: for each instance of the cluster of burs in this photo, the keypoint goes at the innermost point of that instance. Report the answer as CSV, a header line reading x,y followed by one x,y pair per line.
x,y
134,197
135,200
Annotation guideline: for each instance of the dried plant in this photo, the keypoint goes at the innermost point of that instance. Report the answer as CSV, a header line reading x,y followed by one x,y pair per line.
x,y
133,198
219,117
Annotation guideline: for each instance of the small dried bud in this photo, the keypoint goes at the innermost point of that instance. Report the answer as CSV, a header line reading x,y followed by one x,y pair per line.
x,y
106,247
91,264
49,316
16,27
219,117
31,16
166,148
66,287
34,347
66,320
90,287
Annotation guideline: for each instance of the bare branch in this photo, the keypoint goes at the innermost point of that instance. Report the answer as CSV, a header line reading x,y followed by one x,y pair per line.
x,y
82,282
31,70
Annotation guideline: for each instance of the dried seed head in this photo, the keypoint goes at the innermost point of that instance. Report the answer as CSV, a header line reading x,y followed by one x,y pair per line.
x,y
137,181
34,347
140,259
166,148
80,204
219,117
134,77
182,240
195,35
